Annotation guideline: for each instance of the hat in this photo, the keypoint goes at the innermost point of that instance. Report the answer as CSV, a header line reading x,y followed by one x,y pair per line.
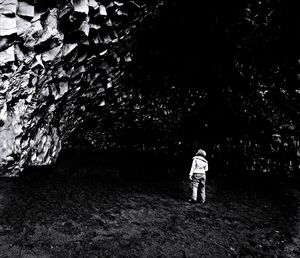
x,y
201,152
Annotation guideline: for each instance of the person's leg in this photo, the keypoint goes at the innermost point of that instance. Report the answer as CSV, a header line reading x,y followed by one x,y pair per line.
x,y
195,184
194,193
202,188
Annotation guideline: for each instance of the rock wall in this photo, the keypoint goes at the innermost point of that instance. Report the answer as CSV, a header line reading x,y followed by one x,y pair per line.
x,y
55,60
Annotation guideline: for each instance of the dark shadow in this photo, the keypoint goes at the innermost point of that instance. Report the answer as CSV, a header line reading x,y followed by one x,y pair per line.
x,y
83,192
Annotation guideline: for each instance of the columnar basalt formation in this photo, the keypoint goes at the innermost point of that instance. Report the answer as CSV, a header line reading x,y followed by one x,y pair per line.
x,y
55,61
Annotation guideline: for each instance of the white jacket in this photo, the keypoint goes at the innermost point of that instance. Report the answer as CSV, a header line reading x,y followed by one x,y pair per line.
x,y
199,165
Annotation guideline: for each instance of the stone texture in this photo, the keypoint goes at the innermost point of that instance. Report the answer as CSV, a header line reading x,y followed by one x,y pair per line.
x,y
54,61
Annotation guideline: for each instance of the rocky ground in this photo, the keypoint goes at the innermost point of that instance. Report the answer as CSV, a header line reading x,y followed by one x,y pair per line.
x,y
97,213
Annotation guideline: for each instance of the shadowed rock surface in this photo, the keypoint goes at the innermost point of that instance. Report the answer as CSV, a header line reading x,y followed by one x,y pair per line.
x,y
226,81
57,61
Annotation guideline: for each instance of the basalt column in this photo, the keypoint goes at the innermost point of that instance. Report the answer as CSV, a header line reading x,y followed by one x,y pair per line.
x,y
55,60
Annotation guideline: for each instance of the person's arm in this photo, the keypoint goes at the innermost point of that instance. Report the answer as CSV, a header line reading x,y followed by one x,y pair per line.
x,y
192,169
206,167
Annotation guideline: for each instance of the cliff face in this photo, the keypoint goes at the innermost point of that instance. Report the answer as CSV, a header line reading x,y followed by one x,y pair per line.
x,y
56,62
196,81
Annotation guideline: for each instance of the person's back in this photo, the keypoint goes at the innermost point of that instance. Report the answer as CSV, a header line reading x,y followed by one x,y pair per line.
x,y
200,165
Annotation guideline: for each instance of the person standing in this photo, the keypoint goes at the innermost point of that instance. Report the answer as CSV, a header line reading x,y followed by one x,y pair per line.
x,y
198,176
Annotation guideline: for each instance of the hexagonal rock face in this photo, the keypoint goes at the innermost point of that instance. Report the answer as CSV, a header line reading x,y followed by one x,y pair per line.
x,y
54,61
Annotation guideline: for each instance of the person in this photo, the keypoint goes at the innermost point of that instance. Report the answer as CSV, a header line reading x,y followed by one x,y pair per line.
x,y
198,176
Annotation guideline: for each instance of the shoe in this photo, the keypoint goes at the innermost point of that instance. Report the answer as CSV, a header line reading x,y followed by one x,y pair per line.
x,y
192,201
203,203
